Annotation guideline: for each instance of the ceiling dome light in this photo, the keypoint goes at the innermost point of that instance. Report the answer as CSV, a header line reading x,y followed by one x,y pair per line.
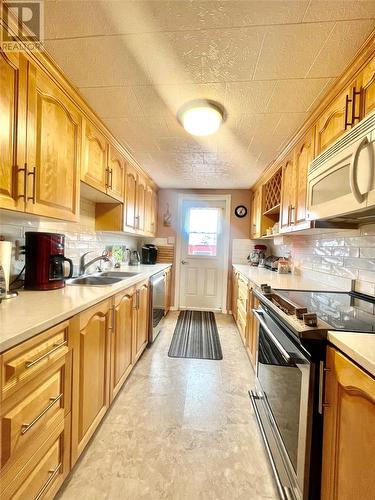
x,y
201,117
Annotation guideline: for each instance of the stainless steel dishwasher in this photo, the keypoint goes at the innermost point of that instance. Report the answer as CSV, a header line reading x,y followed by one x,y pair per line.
x,y
157,305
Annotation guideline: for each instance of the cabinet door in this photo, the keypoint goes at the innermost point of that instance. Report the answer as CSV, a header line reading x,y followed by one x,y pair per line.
x,y
94,165
13,95
234,293
367,82
168,290
287,194
131,181
256,215
348,431
304,153
148,227
141,204
337,118
116,172
53,150
154,213
122,340
91,356
142,323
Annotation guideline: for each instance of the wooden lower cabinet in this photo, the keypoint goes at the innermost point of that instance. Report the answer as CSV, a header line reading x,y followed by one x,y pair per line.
x,y
45,472
252,329
348,431
122,339
141,322
243,303
168,289
234,293
91,372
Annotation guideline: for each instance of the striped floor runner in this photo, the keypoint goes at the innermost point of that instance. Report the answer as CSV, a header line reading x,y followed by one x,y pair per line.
x,y
196,336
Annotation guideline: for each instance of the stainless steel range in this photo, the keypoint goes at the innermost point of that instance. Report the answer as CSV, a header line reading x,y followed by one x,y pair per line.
x,y
288,396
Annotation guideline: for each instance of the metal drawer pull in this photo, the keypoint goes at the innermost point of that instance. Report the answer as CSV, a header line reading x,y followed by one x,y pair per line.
x,y
26,427
53,473
272,337
29,364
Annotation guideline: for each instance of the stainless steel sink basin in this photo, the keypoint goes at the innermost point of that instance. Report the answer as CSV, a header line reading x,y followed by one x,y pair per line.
x,y
94,280
118,274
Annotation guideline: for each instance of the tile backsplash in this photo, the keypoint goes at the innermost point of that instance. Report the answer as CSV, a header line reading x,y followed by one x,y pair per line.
x,y
335,258
80,236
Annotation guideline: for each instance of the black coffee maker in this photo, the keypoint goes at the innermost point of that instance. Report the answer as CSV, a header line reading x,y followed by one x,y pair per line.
x,y
149,254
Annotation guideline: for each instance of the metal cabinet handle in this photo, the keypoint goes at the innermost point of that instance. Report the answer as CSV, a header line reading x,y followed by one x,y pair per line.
x,y
24,170
107,178
33,197
271,336
184,262
29,364
353,173
27,427
53,473
111,177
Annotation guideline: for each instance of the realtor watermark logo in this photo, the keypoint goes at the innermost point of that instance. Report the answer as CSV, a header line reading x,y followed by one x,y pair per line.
x,y
22,21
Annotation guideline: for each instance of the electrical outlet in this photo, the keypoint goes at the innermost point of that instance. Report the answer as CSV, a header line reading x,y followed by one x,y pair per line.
x,y
19,251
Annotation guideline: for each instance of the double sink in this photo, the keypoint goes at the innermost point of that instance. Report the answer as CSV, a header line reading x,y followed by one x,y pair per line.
x,y
103,278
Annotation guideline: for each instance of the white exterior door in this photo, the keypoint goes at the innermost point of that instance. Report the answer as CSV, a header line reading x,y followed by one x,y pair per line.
x,y
202,255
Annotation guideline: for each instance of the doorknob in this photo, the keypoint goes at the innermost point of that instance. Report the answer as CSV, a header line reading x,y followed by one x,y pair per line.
x,y
183,262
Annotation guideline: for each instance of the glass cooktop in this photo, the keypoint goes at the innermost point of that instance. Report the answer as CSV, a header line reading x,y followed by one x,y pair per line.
x,y
350,312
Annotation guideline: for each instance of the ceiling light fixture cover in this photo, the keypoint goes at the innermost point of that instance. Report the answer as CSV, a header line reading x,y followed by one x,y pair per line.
x,y
201,117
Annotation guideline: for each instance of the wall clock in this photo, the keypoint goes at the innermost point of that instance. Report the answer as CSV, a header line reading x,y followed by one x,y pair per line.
x,y
240,211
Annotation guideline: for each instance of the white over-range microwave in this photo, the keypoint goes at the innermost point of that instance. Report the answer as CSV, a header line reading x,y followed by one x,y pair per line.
x,y
341,180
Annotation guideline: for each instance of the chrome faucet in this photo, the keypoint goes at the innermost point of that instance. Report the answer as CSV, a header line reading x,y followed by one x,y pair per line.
x,y
83,266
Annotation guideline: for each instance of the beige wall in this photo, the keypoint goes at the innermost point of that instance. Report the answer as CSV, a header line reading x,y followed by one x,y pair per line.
x,y
239,228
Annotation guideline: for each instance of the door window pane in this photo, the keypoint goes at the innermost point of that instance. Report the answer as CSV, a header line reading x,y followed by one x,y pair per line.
x,y
203,231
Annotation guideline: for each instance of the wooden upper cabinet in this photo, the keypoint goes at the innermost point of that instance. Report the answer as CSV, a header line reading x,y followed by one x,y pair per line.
x,y
141,203
131,182
115,173
303,155
53,149
150,210
122,340
256,213
95,150
339,116
287,210
367,83
13,95
91,373
348,431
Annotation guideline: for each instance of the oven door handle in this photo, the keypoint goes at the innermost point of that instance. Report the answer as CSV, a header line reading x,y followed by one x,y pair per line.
x,y
258,314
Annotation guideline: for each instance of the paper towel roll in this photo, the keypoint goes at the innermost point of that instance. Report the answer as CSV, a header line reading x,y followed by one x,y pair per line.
x,y
5,260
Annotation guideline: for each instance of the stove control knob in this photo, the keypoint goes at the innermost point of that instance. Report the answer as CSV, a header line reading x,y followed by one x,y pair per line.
x,y
310,319
265,288
300,311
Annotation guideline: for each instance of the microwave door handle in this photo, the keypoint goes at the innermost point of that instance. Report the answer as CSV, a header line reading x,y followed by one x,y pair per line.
x,y
353,174
271,336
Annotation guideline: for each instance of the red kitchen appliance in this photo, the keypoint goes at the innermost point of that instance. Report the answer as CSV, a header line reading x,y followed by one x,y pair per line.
x,y
45,261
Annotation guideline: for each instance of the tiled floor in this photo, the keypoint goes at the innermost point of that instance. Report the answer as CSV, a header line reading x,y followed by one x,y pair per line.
x,y
179,429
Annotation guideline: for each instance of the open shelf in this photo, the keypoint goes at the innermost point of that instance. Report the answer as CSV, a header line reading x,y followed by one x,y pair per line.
x,y
275,210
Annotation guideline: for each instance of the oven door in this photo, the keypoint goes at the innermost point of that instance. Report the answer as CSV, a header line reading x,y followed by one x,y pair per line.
x,y
283,405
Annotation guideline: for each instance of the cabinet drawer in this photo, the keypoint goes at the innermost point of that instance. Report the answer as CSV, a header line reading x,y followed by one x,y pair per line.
x,y
44,473
25,361
31,414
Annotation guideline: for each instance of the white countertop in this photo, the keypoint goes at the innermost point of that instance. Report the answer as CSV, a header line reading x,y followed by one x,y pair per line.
x,y
33,312
360,347
259,275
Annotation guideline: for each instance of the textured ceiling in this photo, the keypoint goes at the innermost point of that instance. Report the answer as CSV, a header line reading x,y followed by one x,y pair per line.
x,y
267,62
